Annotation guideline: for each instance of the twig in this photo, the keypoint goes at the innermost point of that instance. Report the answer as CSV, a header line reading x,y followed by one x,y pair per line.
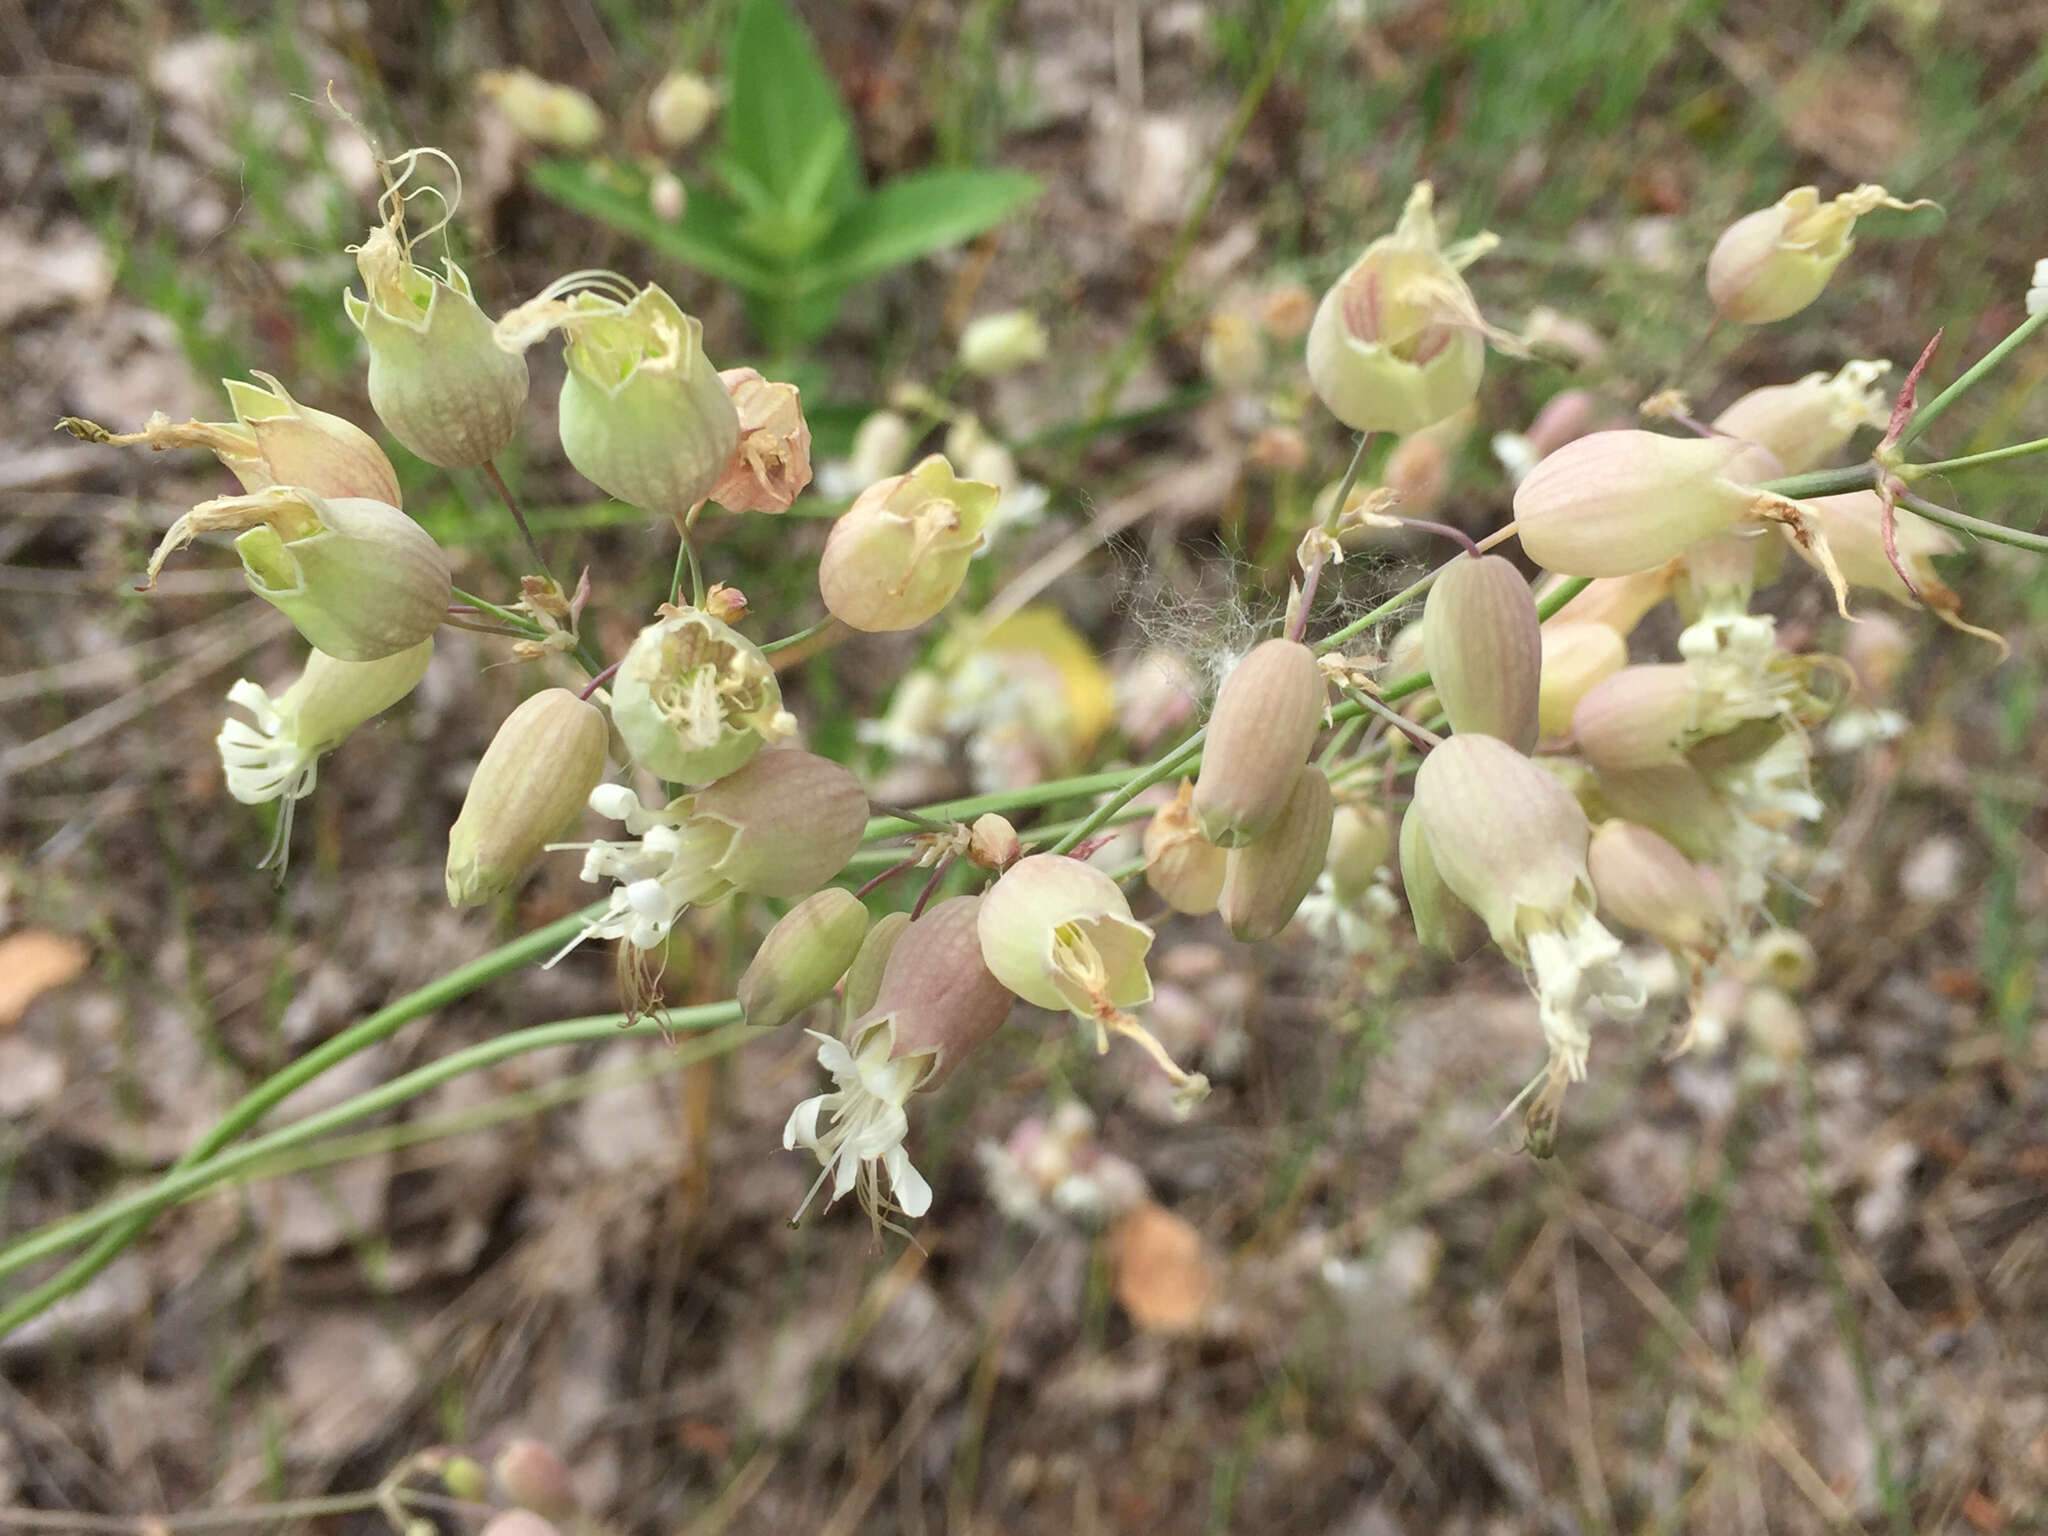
x,y
505,495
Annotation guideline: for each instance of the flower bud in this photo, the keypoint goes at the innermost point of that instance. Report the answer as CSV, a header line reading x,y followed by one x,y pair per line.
x,y
1001,343
796,819
1060,935
273,440
438,381
1641,717
1233,350
534,1476
643,414
1772,263
1784,959
1286,310
772,464
531,782
992,843
936,1004
506,1522
1575,657
463,1477
1510,842
359,579
681,108
1182,867
1505,835
881,447
1676,802
542,112
1619,602
1646,884
1398,343
864,975
1266,718
1484,649
1361,839
899,553
1264,881
1616,503
275,754
940,989
803,956
1442,922
1852,525
1807,423
694,700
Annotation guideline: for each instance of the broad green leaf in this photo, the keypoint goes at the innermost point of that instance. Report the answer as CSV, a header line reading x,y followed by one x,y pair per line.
x,y
785,113
706,237
914,216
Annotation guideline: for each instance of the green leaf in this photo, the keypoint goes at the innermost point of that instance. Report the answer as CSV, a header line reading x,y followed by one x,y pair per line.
x,y
706,237
785,115
914,216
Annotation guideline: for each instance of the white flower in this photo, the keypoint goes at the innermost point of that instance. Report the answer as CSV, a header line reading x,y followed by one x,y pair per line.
x,y
1576,961
667,868
266,760
863,1137
1351,928
2037,296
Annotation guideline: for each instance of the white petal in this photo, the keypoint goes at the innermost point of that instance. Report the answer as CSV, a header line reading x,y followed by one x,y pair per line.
x,y
913,1194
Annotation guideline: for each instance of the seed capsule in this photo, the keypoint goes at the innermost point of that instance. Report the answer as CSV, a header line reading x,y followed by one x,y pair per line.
x,y
531,782
1398,345
1060,935
1805,424
359,579
803,956
1182,867
1265,881
534,1476
1485,650
772,463
694,700
899,553
438,381
1646,884
1361,839
1575,657
1771,264
1265,721
273,440
644,415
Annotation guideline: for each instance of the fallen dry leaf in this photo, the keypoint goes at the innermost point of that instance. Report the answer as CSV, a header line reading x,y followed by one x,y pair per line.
x,y
31,963
1162,1275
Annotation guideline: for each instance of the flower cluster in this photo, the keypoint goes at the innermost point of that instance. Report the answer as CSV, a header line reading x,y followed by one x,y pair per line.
x,y
1540,782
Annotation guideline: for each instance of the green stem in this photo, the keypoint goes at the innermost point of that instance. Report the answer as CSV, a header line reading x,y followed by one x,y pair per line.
x,y
1822,482
1933,411
769,648
1181,758
1972,460
188,1180
258,1102
1961,522
1002,802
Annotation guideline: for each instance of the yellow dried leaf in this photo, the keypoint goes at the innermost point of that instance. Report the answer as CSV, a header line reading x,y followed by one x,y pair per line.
x,y
31,963
1162,1274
